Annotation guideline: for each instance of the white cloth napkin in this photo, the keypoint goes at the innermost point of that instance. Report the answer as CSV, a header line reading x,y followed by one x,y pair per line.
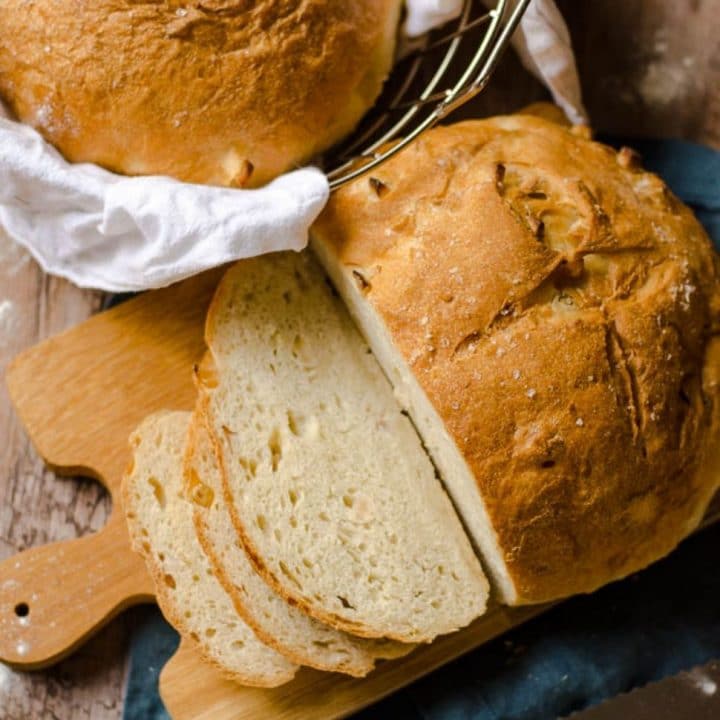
x,y
116,233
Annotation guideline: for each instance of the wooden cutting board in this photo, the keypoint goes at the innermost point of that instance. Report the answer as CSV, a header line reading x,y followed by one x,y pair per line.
x,y
80,394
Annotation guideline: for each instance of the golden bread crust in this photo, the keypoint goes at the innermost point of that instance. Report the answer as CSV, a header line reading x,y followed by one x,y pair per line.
x,y
225,92
560,308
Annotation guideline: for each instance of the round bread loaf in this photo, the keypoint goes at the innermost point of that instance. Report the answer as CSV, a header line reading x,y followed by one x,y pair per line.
x,y
225,92
549,313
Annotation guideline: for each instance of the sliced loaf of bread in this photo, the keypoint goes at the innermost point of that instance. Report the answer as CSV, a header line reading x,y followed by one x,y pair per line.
x,y
327,482
161,530
549,314
279,624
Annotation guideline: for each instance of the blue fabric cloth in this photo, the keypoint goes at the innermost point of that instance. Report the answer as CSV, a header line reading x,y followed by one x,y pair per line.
x,y
654,624
152,644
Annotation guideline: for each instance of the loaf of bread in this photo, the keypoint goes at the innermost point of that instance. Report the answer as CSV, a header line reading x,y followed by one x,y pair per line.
x,y
327,483
161,530
549,315
276,622
220,92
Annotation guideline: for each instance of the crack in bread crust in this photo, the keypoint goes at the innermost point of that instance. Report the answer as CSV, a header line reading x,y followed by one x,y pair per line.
x,y
623,371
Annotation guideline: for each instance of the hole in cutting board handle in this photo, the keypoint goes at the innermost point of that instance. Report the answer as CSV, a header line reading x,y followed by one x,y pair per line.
x,y
22,609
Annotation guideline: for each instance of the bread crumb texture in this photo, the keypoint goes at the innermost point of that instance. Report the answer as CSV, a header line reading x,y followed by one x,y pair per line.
x,y
337,503
276,622
560,308
190,596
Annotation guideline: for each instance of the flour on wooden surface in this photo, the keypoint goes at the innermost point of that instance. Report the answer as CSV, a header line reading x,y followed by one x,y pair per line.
x,y
13,257
8,321
666,78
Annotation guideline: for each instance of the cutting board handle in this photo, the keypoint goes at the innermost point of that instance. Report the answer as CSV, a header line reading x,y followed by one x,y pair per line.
x,y
54,596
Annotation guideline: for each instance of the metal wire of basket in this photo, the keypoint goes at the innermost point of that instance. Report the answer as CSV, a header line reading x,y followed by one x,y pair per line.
x,y
445,69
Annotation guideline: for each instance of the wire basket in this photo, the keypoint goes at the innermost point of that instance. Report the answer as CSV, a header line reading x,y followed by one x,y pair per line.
x,y
435,75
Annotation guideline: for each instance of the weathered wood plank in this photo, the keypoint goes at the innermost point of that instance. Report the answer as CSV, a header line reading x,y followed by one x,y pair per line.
x,y
650,67
36,507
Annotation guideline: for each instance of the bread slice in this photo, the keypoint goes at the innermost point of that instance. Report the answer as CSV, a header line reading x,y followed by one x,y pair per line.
x,y
275,622
337,504
161,530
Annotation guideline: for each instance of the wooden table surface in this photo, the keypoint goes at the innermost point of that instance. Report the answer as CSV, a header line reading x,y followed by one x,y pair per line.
x,y
649,67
